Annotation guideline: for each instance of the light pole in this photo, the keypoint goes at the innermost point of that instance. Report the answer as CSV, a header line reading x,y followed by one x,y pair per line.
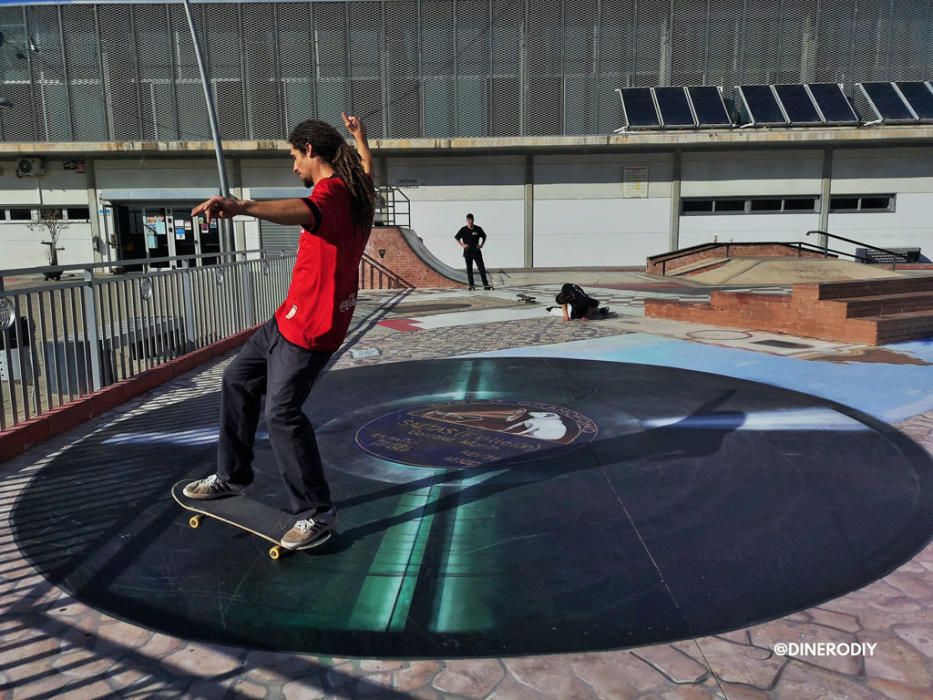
x,y
7,103
226,224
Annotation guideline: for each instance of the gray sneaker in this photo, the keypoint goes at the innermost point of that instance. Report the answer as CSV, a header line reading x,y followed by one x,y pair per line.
x,y
311,532
210,487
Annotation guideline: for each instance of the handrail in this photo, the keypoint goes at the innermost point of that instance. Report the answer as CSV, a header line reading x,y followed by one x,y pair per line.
x,y
664,258
139,261
867,245
395,280
674,254
392,206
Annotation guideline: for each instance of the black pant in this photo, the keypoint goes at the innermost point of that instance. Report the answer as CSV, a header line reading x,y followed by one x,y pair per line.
x,y
269,365
471,254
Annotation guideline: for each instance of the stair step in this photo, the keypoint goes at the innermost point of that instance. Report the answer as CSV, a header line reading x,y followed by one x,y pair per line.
x,y
864,288
903,326
886,304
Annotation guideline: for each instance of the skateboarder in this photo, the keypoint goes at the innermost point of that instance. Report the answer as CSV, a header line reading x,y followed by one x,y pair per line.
x,y
472,238
574,303
283,358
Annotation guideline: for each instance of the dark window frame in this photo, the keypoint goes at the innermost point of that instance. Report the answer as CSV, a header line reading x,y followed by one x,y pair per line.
x,y
891,208
748,203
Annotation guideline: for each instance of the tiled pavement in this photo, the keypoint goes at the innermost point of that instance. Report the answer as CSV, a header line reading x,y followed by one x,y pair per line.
x,y
53,646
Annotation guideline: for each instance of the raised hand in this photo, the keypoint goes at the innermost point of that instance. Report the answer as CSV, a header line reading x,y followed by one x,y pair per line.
x,y
354,126
221,207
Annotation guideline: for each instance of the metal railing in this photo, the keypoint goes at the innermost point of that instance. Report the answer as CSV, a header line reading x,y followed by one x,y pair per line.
x,y
892,255
799,246
375,275
393,208
63,340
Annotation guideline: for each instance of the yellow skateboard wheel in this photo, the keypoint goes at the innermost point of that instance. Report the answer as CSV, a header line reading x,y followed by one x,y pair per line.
x,y
275,552
195,520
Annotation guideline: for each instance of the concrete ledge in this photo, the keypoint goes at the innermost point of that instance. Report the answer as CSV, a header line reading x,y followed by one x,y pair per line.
x,y
638,140
25,436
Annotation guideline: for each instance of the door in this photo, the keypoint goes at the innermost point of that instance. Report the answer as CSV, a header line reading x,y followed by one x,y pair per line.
x,y
184,233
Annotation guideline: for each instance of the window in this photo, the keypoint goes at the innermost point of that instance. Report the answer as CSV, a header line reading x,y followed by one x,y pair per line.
x,y
696,206
45,214
749,205
730,206
768,204
845,204
800,204
19,214
876,204
78,214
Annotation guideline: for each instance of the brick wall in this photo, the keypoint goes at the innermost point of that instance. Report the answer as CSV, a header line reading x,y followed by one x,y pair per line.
x,y
776,315
402,261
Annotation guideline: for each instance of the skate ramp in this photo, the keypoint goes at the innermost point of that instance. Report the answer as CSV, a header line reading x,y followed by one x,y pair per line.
x,y
428,258
403,253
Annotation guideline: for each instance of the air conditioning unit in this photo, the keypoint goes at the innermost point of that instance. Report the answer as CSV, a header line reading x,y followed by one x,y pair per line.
x,y
28,167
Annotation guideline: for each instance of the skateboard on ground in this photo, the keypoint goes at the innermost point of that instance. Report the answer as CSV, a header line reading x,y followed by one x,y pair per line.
x,y
245,513
527,299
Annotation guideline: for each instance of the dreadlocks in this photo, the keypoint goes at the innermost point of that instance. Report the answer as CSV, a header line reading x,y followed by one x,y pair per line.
x,y
331,147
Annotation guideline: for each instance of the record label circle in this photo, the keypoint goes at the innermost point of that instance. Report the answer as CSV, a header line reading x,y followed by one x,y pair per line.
x,y
475,433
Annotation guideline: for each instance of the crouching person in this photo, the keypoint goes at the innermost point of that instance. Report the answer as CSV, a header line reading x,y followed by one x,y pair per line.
x,y
575,304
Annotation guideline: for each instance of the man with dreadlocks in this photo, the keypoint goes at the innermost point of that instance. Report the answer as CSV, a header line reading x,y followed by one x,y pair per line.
x,y
283,358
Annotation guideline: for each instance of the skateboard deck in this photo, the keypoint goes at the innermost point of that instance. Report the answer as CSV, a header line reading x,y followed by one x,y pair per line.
x,y
526,298
244,513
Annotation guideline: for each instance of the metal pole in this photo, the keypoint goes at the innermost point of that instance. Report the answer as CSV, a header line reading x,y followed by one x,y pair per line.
x,y
212,116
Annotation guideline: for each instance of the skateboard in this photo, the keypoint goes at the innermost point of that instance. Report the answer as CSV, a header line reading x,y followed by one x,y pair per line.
x,y
527,299
245,513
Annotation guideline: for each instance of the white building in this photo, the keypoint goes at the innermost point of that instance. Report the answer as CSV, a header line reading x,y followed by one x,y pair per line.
x,y
502,108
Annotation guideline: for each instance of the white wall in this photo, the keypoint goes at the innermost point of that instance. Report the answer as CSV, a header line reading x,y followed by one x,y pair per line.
x,y
747,228
905,172
581,216
443,190
750,174
178,177
22,247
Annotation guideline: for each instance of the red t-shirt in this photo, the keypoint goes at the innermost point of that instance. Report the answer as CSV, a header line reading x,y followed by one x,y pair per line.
x,y
317,311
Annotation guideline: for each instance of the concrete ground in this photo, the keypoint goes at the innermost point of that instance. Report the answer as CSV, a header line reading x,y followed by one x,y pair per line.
x,y
55,646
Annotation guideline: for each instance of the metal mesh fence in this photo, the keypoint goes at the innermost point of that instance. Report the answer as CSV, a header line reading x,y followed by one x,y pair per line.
x,y
423,68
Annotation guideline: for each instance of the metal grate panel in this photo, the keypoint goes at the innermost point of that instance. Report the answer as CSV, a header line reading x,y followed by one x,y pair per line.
x,y
425,68
264,114
402,70
221,45
331,47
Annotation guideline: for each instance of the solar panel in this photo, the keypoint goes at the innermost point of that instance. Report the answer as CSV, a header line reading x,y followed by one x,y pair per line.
x,y
708,106
674,107
919,96
639,108
886,102
797,104
832,103
761,104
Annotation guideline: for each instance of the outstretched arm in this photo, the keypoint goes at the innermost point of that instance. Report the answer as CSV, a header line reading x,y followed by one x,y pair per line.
x,y
358,132
278,211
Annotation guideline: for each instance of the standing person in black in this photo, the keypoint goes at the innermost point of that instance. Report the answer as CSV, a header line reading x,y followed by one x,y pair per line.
x,y
471,239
